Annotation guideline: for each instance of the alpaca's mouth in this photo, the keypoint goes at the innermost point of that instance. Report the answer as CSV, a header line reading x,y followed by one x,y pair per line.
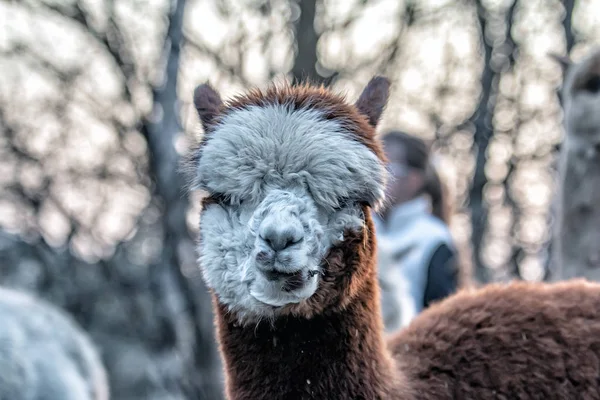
x,y
274,275
289,281
279,288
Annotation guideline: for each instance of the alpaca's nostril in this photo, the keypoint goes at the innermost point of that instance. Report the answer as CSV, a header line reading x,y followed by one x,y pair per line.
x,y
281,239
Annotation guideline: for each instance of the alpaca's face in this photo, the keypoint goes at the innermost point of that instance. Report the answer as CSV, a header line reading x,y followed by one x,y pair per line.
x,y
287,185
581,101
284,186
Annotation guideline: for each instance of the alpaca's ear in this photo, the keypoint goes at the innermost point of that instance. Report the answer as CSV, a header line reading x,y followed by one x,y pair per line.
x,y
564,61
374,98
208,104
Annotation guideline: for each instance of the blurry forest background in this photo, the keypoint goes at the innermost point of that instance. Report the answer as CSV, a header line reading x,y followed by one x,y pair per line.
x,y
95,113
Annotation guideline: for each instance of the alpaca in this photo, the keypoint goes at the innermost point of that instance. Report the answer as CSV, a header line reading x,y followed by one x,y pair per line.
x,y
286,246
578,217
44,355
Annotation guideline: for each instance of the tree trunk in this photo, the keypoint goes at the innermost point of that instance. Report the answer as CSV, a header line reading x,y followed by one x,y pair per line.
x,y
568,24
305,59
483,133
179,292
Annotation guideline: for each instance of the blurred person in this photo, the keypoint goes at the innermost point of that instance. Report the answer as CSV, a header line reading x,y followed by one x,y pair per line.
x,y
417,258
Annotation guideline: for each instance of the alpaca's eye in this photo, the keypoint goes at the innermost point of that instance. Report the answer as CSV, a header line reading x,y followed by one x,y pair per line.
x,y
592,85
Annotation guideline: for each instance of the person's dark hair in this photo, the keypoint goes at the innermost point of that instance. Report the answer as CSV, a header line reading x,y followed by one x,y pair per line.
x,y
417,154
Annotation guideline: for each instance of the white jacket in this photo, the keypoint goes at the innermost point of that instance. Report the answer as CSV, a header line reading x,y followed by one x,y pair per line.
x,y
405,245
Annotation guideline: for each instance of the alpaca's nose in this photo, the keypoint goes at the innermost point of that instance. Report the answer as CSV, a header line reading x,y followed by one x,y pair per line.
x,y
281,237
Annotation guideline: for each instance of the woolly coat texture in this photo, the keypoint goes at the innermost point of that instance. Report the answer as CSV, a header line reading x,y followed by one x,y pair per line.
x,y
517,341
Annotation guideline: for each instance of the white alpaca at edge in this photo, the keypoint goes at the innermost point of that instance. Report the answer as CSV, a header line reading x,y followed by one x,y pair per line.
x,y
44,355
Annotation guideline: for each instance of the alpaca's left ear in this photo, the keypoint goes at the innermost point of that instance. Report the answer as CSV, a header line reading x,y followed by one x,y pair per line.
x,y
208,104
374,98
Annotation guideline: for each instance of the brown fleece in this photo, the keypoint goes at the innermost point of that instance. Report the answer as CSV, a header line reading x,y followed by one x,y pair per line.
x,y
518,341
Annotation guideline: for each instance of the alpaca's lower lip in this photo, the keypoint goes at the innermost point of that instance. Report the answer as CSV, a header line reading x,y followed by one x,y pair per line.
x,y
274,303
285,288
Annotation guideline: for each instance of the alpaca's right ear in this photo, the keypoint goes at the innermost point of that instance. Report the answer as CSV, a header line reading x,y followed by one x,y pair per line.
x,y
564,61
374,98
208,104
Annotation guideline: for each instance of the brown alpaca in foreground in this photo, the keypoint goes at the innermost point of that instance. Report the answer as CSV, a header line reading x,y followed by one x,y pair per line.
x,y
288,251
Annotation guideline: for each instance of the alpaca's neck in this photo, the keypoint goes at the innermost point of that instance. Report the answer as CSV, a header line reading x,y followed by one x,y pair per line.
x,y
338,354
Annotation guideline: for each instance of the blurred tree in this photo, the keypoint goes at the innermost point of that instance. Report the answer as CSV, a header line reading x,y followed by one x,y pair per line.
x,y
549,267
568,24
152,322
482,135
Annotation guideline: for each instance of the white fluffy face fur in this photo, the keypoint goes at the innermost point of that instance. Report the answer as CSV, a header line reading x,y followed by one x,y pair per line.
x,y
290,182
